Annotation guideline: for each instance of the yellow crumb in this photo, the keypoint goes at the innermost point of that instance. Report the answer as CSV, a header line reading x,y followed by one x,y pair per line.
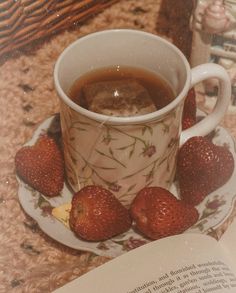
x,y
61,213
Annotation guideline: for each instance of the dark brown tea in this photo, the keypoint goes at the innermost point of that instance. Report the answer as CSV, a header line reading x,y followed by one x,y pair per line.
x,y
121,91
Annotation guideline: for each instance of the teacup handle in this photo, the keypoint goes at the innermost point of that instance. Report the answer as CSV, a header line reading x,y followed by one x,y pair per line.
x,y
205,126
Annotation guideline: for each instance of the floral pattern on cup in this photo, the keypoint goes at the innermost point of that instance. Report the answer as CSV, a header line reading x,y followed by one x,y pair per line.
x,y
122,158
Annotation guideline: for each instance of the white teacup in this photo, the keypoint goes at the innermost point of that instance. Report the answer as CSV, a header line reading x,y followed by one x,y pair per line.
x,y
125,154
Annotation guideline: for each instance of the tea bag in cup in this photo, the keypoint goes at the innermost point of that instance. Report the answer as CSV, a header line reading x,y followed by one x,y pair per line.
x,y
118,98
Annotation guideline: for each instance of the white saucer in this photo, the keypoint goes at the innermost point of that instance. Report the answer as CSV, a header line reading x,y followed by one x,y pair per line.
x,y
214,211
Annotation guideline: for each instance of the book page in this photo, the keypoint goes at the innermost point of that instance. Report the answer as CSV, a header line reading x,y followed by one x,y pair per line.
x,y
228,243
187,263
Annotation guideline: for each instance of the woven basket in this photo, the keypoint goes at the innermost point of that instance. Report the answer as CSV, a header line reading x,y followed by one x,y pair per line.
x,y
22,21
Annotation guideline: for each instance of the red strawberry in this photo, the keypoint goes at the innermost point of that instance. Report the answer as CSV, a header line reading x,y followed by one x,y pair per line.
x,y
202,167
41,166
190,110
96,214
158,213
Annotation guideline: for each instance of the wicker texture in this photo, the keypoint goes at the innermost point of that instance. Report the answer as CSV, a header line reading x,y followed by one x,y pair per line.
x,y
22,21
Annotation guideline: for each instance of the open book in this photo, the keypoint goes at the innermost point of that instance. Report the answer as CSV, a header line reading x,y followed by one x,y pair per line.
x,y
186,263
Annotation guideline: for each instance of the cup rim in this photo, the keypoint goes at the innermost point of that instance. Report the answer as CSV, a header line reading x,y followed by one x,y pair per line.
x,y
117,119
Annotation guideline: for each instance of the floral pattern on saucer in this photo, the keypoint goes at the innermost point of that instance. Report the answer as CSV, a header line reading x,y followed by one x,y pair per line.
x,y
215,211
